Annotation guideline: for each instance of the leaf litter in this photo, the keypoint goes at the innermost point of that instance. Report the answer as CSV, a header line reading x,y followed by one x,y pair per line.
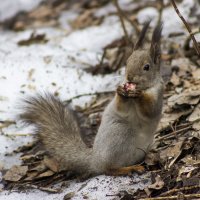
x,y
174,162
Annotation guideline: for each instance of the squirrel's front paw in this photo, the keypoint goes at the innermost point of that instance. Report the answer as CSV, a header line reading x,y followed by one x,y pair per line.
x,y
122,91
135,93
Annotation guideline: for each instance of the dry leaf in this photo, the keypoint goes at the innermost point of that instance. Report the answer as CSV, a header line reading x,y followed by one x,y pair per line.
x,y
186,97
31,176
39,168
195,114
185,170
86,19
46,174
196,74
183,64
171,152
51,164
175,79
158,183
152,158
34,39
41,12
15,173
170,118
69,196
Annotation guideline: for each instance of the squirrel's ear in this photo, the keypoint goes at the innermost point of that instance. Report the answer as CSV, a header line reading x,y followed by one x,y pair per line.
x,y
141,38
155,50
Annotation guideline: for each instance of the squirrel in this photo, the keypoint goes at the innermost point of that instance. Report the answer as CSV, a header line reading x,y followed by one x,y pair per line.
x,y
128,123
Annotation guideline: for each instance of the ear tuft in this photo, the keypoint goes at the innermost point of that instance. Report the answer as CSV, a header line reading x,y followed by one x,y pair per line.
x,y
141,38
155,42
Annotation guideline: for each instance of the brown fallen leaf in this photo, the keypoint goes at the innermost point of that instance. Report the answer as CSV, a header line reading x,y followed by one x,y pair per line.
x,y
31,176
15,173
157,185
186,171
189,160
34,39
41,12
170,118
87,18
39,168
46,174
187,97
175,79
69,196
196,126
152,158
196,74
51,164
171,152
195,114
184,65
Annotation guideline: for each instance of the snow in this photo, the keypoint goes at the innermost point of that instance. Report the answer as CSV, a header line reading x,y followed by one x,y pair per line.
x,y
95,188
58,66
172,23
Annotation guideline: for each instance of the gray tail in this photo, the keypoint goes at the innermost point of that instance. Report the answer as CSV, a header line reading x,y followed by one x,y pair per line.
x,y
58,131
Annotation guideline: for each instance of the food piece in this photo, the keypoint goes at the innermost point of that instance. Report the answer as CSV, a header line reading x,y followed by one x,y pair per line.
x,y
129,86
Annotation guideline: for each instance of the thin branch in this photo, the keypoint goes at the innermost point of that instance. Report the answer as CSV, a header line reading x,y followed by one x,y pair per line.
x,y
133,24
187,26
119,11
180,190
188,196
187,41
172,134
45,189
87,94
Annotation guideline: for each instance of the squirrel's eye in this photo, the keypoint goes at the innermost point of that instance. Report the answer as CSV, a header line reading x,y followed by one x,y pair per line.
x,y
146,67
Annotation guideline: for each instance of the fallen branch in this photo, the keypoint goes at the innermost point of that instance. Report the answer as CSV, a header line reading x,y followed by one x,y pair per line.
x,y
172,134
187,26
180,190
181,196
45,189
87,94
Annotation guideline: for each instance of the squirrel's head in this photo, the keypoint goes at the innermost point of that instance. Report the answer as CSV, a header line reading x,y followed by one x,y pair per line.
x,y
143,65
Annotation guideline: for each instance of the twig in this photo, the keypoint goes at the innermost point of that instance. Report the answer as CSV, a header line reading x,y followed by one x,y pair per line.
x,y
18,134
102,58
133,24
6,123
188,196
172,133
119,11
87,94
46,189
187,26
180,190
187,41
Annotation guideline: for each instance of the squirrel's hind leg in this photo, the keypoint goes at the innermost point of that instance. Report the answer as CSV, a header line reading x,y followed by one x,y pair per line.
x,y
126,170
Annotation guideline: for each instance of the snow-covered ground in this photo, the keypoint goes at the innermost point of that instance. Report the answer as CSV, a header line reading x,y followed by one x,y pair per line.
x,y
57,66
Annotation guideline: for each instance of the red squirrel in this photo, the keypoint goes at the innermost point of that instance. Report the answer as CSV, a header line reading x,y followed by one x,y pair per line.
x,y
128,123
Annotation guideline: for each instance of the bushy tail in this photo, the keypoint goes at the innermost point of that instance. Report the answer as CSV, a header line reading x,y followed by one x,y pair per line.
x,y
58,130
